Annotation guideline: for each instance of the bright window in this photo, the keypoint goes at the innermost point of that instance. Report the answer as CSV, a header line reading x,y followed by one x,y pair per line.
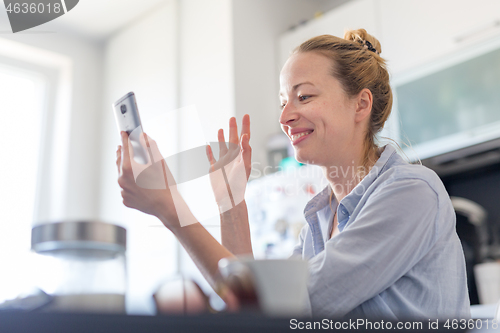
x,y
22,103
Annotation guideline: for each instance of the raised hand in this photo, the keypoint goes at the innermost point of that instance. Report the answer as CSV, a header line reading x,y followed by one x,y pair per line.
x,y
147,188
229,174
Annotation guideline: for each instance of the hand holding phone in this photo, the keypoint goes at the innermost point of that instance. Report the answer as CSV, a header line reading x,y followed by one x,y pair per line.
x,y
128,120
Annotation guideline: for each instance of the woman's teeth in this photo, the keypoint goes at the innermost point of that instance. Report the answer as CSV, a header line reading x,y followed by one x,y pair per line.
x,y
296,136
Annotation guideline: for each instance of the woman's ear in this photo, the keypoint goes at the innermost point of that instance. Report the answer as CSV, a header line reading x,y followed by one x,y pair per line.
x,y
363,105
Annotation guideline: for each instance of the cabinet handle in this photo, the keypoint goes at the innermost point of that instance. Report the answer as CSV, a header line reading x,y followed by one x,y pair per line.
x,y
477,31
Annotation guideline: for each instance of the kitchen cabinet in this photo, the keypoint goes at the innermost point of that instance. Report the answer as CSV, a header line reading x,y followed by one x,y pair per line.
x,y
352,15
411,32
416,32
451,103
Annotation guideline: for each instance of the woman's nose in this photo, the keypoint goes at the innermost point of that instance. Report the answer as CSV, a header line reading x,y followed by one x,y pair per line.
x,y
288,115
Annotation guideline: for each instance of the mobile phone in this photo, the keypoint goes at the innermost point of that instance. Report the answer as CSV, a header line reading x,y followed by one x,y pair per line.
x,y
128,120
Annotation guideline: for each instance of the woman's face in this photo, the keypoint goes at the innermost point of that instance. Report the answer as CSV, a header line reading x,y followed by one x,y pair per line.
x,y
317,115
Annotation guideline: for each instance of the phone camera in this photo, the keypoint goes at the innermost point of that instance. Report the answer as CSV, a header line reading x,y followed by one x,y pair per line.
x,y
123,108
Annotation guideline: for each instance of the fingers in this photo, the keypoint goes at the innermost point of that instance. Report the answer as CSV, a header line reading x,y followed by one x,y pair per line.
x,y
233,134
151,147
222,143
210,156
146,143
156,156
233,131
246,153
245,126
126,154
245,142
232,302
145,140
119,159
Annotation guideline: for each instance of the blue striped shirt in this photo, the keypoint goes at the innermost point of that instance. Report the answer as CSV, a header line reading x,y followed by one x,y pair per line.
x,y
397,254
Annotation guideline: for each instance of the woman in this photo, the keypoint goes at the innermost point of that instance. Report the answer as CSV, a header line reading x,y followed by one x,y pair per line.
x,y
381,238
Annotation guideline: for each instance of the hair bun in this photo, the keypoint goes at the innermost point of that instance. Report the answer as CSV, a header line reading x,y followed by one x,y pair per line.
x,y
361,36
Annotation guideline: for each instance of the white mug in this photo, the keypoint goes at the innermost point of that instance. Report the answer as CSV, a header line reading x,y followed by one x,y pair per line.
x,y
280,284
488,282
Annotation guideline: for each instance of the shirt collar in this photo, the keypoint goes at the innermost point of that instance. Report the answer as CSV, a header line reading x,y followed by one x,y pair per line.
x,y
350,201
319,201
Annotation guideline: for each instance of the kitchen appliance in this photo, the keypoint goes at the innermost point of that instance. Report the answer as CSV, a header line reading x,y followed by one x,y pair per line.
x,y
81,264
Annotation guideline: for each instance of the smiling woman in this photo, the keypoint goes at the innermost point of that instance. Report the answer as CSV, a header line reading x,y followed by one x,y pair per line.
x,y
380,239
380,252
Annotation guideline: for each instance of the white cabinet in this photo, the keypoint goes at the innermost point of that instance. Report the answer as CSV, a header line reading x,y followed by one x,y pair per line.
x,y
412,32
434,50
416,32
352,15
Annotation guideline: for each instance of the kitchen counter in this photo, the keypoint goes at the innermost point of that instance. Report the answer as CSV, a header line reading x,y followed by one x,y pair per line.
x,y
13,322
95,323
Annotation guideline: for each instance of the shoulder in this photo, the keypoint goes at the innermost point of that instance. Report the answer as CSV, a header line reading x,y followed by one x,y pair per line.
x,y
413,188
416,177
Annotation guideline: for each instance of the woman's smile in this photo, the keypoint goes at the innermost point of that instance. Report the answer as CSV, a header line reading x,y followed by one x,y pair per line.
x,y
297,135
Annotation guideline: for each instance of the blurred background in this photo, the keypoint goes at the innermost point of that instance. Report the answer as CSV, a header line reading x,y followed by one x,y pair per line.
x,y
59,137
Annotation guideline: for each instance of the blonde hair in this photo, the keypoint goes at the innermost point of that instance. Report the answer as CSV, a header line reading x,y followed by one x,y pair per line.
x,y
357,67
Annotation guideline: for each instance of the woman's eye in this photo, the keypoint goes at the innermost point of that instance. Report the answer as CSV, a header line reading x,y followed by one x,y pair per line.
x,y
283,105
303,97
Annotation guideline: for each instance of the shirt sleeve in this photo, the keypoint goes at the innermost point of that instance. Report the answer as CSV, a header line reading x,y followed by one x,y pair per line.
x,y
395,228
